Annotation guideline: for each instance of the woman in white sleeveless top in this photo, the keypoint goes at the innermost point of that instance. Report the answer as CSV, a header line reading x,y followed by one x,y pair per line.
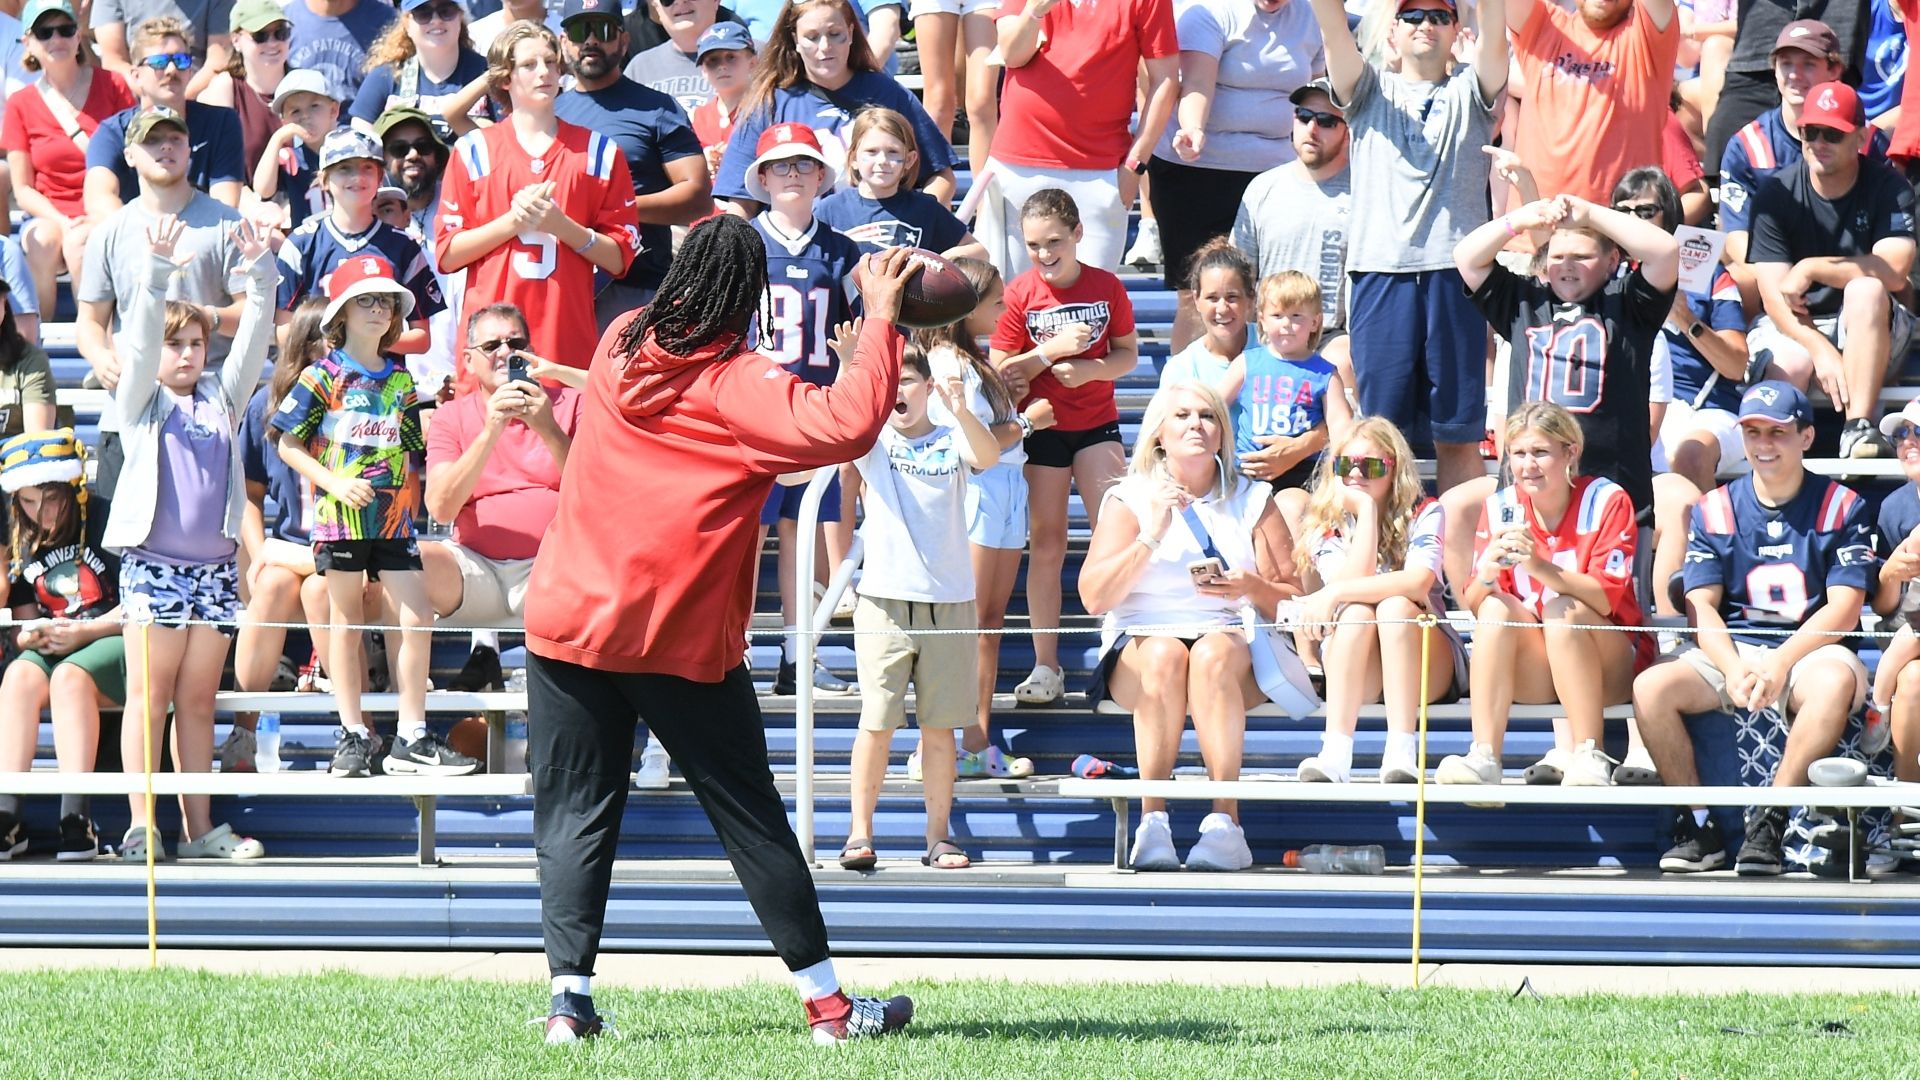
x,y
1173,643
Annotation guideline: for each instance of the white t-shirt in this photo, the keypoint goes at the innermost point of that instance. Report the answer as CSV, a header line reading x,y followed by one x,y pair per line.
x,y
1165,595
915,530
1196,363
1425,546
943,361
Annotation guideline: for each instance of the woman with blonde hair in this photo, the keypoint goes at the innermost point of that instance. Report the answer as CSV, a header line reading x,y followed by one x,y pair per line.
x,y
425,58
1554,554
1372,541
818,70
1183,547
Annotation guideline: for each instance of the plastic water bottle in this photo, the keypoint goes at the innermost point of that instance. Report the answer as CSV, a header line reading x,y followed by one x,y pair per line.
x,y
1334,859
266,744
516,747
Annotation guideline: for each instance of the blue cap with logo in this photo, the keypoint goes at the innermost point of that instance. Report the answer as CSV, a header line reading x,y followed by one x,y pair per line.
x,y
722,35
1781,402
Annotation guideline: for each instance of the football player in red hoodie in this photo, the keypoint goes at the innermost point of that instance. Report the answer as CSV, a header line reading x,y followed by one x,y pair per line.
x,y
641,594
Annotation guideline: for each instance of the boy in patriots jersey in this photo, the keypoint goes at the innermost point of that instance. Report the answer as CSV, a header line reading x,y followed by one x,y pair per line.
x,y
290,163
532,229
1778,563
351,171
809,280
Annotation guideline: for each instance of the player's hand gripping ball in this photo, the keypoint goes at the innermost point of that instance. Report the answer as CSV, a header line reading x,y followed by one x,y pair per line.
x,y
936,296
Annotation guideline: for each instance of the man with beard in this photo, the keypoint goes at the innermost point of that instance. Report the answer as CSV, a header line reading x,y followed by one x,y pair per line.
x,y
415,158
1294,216
670,181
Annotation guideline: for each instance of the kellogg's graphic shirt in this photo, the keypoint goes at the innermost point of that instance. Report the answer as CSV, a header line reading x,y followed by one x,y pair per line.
x,y
363,424
1036,311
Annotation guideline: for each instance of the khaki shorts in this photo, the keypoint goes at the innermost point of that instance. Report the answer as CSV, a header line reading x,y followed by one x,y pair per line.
x,y
1696,658
943,668
491,590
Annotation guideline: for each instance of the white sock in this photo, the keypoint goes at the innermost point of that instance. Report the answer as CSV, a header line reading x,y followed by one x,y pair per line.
x,y
817,981
487,638
1700,817
1336,750
1402,744
413,731
790,645
360,728
573,984
653,743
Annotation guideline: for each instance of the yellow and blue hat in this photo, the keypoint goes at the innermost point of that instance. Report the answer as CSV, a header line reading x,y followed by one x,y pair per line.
x,y
32,458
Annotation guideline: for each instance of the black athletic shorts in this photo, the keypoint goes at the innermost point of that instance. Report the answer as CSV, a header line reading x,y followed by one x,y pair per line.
x,y
1056,449
371,556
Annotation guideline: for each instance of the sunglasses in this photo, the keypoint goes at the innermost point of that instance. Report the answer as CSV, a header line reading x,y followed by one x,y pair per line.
x,y
427,13
1905,432
793,167
62,30
602,30
1373,468
277,32
374,301
1813,133
400,148
178,61
1645,211
514,343
1427,15
1304,115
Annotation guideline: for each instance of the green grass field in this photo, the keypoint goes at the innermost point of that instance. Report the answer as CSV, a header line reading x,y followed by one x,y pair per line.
x,y
177,1024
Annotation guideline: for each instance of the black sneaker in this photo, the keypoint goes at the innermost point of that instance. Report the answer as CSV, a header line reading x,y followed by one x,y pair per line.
x,y
78,841
824,681
13,837
286,677
429,755
572,1019
1860,439
480,673
353,754
1695,847
1760,855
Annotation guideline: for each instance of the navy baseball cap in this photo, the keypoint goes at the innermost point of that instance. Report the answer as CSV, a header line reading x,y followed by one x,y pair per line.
x,y
1781,402
722,35
578,9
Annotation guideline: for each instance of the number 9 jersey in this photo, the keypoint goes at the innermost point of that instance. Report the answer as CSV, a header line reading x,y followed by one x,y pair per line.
x,y
809,292
1775,564
551,284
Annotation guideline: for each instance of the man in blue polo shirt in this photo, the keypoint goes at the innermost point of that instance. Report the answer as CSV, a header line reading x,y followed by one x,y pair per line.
x,y
162,67
670,181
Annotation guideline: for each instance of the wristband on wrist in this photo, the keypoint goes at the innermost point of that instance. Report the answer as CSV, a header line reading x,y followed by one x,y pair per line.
x,y
1151,543
1026,425
1136,166
588,246
1507,221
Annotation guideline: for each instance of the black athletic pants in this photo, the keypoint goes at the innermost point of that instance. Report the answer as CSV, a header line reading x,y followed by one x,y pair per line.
x,y
580,750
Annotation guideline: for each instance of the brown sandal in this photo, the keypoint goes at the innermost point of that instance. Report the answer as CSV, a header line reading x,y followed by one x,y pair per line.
x,y
945,849
851,860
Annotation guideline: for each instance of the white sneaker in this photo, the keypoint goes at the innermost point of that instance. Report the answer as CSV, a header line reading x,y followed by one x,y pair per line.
x,y
1479,766
1550,769
1222,846
1590,767
1400,768
1145,251
843,608
1153,844
236,753
654,763
1315,770
1042,687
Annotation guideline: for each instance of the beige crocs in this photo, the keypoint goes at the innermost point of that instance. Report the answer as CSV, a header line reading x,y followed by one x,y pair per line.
x,y
221,843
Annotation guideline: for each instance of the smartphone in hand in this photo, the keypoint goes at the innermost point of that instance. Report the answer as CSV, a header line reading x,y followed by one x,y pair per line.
x,y
1207,571
517,368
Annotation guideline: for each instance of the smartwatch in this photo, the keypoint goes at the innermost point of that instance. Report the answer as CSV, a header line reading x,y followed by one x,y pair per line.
x,y
1136,167
1697,330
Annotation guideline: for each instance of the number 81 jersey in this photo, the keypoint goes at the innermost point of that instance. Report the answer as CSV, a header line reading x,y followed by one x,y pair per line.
x,y
1775,564
809,286
549,282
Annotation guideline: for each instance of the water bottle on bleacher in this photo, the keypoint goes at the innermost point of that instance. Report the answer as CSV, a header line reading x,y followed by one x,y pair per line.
x,y
266,746
1335,859
517,724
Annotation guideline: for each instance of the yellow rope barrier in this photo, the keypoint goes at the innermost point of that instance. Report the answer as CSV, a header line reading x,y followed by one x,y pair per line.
x,y
1427,623
144,620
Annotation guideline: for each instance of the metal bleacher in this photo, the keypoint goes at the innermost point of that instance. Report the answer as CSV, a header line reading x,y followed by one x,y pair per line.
x,y
1567,883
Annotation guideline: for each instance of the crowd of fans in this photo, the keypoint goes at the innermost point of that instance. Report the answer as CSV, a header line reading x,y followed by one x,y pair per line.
x,y
1370,213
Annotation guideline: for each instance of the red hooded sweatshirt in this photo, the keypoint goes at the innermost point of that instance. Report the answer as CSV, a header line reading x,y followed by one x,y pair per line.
x,y
648,566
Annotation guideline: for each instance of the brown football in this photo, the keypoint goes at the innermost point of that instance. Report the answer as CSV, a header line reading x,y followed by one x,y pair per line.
x,y
469,737
939,294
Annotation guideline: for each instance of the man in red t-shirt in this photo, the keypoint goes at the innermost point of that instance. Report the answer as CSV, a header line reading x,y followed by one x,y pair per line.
x,y
1064,115
532,206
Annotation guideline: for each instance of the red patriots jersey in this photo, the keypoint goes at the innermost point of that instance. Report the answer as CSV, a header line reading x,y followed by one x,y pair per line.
x,y
546,279
1596,537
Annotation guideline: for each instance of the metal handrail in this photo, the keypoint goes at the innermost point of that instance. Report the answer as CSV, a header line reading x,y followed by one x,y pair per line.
x,y
812,617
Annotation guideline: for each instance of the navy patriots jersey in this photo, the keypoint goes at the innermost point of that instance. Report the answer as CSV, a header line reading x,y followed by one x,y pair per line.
x,y
809,282
313,250
1775,564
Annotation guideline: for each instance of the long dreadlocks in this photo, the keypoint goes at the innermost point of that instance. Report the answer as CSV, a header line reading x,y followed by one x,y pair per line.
x,y
713,288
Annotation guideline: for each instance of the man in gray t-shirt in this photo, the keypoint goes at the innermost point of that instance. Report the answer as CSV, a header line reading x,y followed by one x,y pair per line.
x,y
115,266
1419,346
1294,216
669,67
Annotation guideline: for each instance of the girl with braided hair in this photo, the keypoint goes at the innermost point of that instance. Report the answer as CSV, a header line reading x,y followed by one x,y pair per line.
x,y
638,602
64,590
